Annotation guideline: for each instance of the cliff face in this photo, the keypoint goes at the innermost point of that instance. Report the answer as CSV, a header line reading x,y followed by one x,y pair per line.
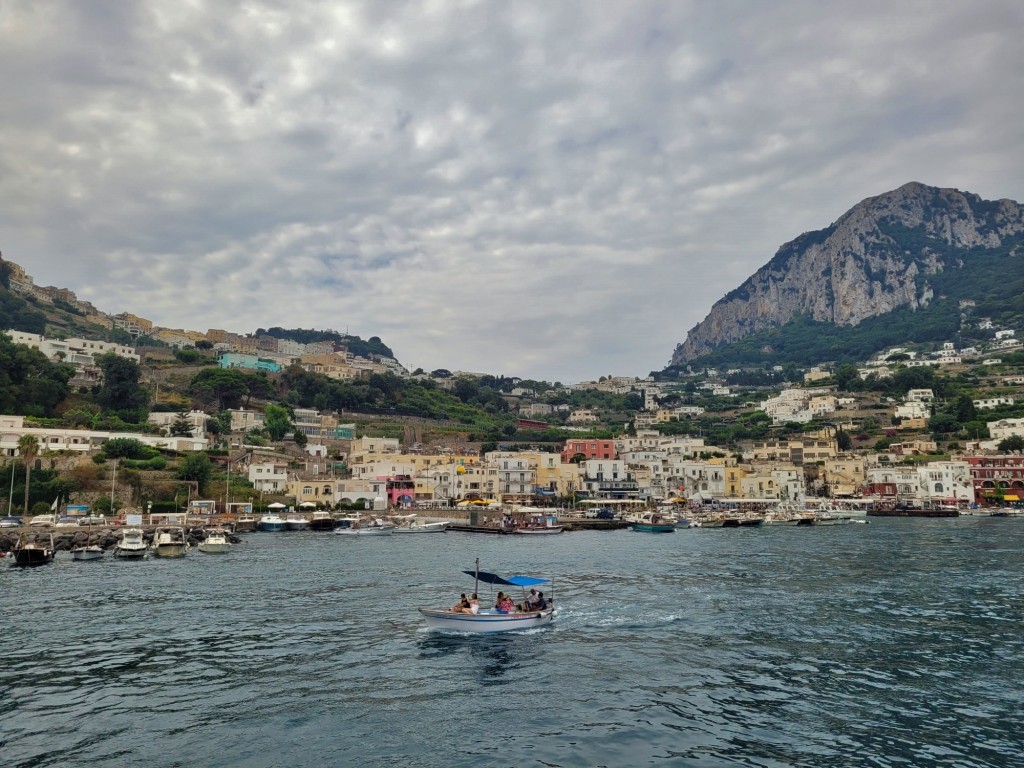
x,y
874,259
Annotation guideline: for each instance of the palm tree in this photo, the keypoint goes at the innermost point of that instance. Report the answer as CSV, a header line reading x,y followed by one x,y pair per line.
x,y
28,447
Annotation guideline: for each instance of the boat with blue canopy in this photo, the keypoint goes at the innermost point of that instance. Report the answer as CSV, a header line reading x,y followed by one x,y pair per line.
x,y
470,617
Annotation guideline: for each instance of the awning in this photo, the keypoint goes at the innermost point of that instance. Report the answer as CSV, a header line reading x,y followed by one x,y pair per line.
x,y
511,581
1011,497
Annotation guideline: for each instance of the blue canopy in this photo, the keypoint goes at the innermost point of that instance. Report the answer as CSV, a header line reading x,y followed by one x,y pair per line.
x,y
511,581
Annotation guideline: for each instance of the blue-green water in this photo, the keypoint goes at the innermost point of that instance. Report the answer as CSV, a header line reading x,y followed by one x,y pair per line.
x,y
899,643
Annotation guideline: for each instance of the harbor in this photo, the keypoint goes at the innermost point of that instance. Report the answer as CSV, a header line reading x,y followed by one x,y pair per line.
x,y
778,645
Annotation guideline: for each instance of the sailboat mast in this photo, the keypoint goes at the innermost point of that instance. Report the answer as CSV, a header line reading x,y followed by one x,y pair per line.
x,y
476,582
113,481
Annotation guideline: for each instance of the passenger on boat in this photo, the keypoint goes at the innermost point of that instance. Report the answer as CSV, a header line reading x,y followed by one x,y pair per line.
x,y
542,604
474,605
532,600
505,603
462,605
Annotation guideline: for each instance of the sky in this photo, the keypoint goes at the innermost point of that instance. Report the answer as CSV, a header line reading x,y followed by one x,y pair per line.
x,y
554,191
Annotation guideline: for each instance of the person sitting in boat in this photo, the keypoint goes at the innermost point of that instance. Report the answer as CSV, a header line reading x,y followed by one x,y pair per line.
x,y
542,602
462,605
532,600
474,605
505,603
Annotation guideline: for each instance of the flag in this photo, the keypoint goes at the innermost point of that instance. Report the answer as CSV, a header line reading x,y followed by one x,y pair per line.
x,y
53,507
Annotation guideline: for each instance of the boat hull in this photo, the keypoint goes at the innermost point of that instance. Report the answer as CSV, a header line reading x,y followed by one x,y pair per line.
x,y
214,547
423,528
540,531
169,550
652,528
130,553
296,525
374,531
485,623
86,553
29,557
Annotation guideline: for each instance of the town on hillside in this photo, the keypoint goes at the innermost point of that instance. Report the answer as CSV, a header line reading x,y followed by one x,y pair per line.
x,y
160,418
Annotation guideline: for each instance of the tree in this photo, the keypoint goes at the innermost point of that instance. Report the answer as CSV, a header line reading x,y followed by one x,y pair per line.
x,y
28,448
845,375
300,438
276,421
1012,444
225,386
181,426
196,467
127,448
965,410
121,391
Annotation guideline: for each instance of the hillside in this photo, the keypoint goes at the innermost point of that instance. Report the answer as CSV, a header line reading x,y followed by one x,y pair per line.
x,y
899,267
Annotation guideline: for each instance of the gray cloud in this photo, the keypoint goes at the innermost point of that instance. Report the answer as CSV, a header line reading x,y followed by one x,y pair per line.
x,y
549,190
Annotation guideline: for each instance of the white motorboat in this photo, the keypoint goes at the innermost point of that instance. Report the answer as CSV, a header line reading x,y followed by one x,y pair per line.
x,y
215,542
486,621
169,542
411,525
355,526
272,522
87,552
296,523
132,545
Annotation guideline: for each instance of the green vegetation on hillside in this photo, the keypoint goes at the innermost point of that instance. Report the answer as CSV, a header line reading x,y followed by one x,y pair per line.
x,y
354,344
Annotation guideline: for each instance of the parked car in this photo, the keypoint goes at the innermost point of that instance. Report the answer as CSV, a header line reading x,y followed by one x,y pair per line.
x,y
46,521
92,520
67,521
605,514
10,522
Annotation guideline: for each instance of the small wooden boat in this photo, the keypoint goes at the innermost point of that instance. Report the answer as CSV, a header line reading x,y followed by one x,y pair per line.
x,y
33,550
355,526
87,552
410,524
652,522
245,524
487,621
540,524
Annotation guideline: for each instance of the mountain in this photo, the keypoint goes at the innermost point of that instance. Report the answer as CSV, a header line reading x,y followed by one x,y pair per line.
x,y
916,255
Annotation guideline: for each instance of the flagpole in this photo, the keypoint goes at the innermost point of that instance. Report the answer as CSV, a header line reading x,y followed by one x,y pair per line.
x,y
10,499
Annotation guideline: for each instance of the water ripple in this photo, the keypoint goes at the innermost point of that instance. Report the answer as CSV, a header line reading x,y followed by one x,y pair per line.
x,y
891,645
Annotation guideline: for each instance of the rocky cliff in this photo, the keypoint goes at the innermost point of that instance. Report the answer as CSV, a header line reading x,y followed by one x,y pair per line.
x,y
876,258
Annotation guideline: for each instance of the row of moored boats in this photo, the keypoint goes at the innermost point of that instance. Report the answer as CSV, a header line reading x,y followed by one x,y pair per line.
x,y
39,549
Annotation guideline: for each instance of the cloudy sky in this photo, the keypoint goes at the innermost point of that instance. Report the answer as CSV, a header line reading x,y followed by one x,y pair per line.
x,y
548,190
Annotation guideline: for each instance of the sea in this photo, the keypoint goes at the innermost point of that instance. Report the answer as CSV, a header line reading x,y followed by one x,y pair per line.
x,y
896,643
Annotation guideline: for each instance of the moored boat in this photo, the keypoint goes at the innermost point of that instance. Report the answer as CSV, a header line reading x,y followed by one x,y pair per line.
x,y
321,521
296,523
652,522
33,549
411,525
132,545
356,526
539,524
215,542
271,523
245,524
169,542
87,552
